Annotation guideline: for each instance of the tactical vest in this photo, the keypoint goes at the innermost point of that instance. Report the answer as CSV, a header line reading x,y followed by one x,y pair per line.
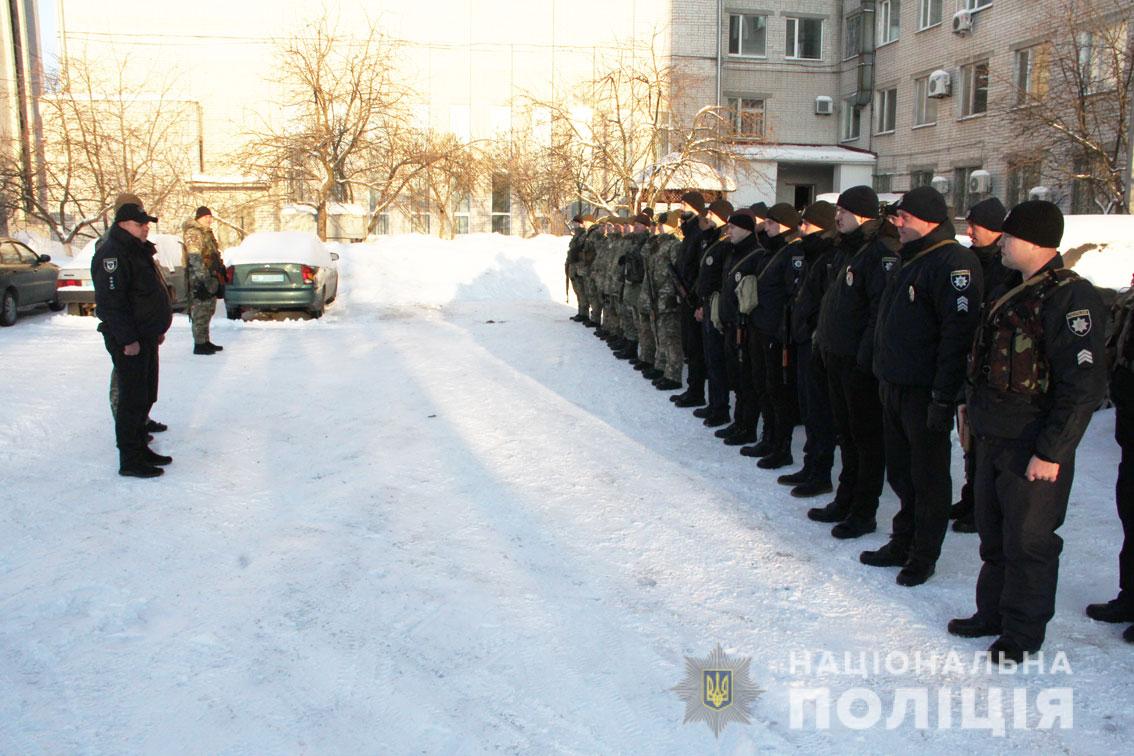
x,y
1008,351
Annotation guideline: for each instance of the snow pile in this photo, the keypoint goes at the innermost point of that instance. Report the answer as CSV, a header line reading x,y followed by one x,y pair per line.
x,y
280,247
169,253
413,269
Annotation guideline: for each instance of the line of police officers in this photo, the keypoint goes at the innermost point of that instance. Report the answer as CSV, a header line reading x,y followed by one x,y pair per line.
x,y
876,330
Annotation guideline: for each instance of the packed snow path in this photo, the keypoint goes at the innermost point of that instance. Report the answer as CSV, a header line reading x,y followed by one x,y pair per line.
x,y
415,530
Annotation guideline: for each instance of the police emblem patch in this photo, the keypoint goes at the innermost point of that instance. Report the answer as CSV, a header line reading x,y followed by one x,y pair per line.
x,y
850,277
717,690
110,264
960,279
888,263
797,262
1079,322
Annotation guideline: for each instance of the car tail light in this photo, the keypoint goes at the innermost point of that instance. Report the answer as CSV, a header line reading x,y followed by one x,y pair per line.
x,y
308,274
65,282
229,272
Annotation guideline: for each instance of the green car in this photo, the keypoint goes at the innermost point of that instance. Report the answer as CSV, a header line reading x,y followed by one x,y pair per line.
x,y
280,270
27,279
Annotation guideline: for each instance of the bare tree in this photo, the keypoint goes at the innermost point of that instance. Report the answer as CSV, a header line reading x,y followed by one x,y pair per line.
x,y
1075,94
537,158
451,172
103,133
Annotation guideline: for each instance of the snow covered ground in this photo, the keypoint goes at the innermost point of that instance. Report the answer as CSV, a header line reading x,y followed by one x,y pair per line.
x,y
443,519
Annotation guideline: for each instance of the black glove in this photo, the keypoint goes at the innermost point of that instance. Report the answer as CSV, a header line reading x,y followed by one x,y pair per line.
x,y
200,291
939,417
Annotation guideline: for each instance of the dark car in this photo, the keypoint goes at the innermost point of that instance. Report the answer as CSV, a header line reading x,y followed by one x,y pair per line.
x,y
27,279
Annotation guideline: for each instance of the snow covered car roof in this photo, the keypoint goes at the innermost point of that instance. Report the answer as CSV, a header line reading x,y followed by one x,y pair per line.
x,y
280,247
168,253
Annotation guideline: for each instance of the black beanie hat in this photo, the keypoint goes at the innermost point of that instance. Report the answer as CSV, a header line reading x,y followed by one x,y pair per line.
x,y
821,214
988,214
743,220
926,203
860,200
694,200
202,211
784,214
721,208
760,210
1036,221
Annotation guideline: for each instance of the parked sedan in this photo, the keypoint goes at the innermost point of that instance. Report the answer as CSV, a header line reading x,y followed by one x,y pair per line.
x,y
27,279
76,289
280,270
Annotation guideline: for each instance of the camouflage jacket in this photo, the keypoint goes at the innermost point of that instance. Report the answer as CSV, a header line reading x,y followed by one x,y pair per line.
x,y
665,261
203,261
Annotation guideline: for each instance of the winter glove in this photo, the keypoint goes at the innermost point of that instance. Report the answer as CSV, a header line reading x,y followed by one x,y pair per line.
x,y
939,417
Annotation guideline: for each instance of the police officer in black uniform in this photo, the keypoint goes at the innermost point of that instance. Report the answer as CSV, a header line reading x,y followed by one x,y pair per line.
x,y
745,263
688,261
716,246
1036,376
132,301
867,252
926,320
1120,358
984,223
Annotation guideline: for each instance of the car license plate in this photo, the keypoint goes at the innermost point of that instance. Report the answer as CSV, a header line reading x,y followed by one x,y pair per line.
x,y
267,278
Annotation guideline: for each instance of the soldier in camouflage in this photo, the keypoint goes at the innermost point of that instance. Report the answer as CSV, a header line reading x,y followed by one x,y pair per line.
x,y
670,354
1035,376
575,266
633,271
651,362
595,252
205,272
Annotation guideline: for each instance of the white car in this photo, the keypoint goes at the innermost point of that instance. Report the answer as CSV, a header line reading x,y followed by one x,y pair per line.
x,y
76,290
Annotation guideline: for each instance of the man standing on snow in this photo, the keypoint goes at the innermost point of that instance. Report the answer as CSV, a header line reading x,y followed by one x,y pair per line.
x,y
132,301
206,273
1036,375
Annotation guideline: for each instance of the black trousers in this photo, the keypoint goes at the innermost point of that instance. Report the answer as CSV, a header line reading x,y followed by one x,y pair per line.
x,y
692,343
815,410
770,387
1124,498
857,412
1017,520
917,466
715,369
137,392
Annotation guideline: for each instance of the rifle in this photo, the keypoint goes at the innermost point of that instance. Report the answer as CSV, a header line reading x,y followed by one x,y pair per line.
x,y
653,297
566,284
679,284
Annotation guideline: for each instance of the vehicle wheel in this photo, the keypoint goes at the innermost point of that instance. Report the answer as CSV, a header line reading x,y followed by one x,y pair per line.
x,y
55,305
316,313
233,313
8,312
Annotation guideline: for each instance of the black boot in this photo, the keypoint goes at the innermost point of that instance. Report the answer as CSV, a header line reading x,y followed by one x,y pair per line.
x,y
761,449
1119,609
153,426
703,412
965,523
203,349
795,478
817,486
745,436
973,627
717,419
729,431
914,574
777,459
835,511
691,401
136,468
890,555
216,347
652,373
666,384
854,527
151,457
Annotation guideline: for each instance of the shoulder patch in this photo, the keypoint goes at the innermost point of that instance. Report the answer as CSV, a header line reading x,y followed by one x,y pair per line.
x,y
1079,322
110,264
888,263
1085,357
797,263
962,304
961,279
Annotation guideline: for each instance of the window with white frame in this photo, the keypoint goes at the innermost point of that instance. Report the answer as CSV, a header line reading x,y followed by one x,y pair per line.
x,y
852,121
925,107
921,178
974,88
747,115
804,38
889,20
1101,54
461,212
962,199
886,109
853,36
501,204
883,182
1023,175
1031,74
747,35
929,13
977,4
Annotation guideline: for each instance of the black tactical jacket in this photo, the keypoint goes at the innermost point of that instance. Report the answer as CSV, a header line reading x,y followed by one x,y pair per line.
x,y
131,296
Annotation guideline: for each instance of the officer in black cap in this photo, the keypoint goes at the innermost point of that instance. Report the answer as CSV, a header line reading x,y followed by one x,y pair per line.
x,y
693,212
926,320
867,252
716,246
745,262
1036,376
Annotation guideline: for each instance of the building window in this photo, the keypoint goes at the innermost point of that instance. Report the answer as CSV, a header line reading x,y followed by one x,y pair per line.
x,y
1101,57
501,204
883,182
921,178
977,4
886,108
461,215
925,107
929,13
974,88
852,121
747,35
853,36
889,21
1023,176
805,38
382,227
962,200
747,116
1031,74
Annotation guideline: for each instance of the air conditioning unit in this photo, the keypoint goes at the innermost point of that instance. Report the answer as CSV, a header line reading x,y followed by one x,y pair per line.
x,y
980,182
940,84
1040,193
940,183
824,105
962,22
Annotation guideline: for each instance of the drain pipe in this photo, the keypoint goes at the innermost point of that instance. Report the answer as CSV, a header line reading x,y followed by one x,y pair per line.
x,y
720,21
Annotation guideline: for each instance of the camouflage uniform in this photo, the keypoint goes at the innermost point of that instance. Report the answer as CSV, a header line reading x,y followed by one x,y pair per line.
x,y
596,243
646,305
574,271
632,267
671,357
203,264
611,283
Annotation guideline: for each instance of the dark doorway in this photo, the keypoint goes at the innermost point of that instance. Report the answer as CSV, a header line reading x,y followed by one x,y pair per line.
x,y
804,195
